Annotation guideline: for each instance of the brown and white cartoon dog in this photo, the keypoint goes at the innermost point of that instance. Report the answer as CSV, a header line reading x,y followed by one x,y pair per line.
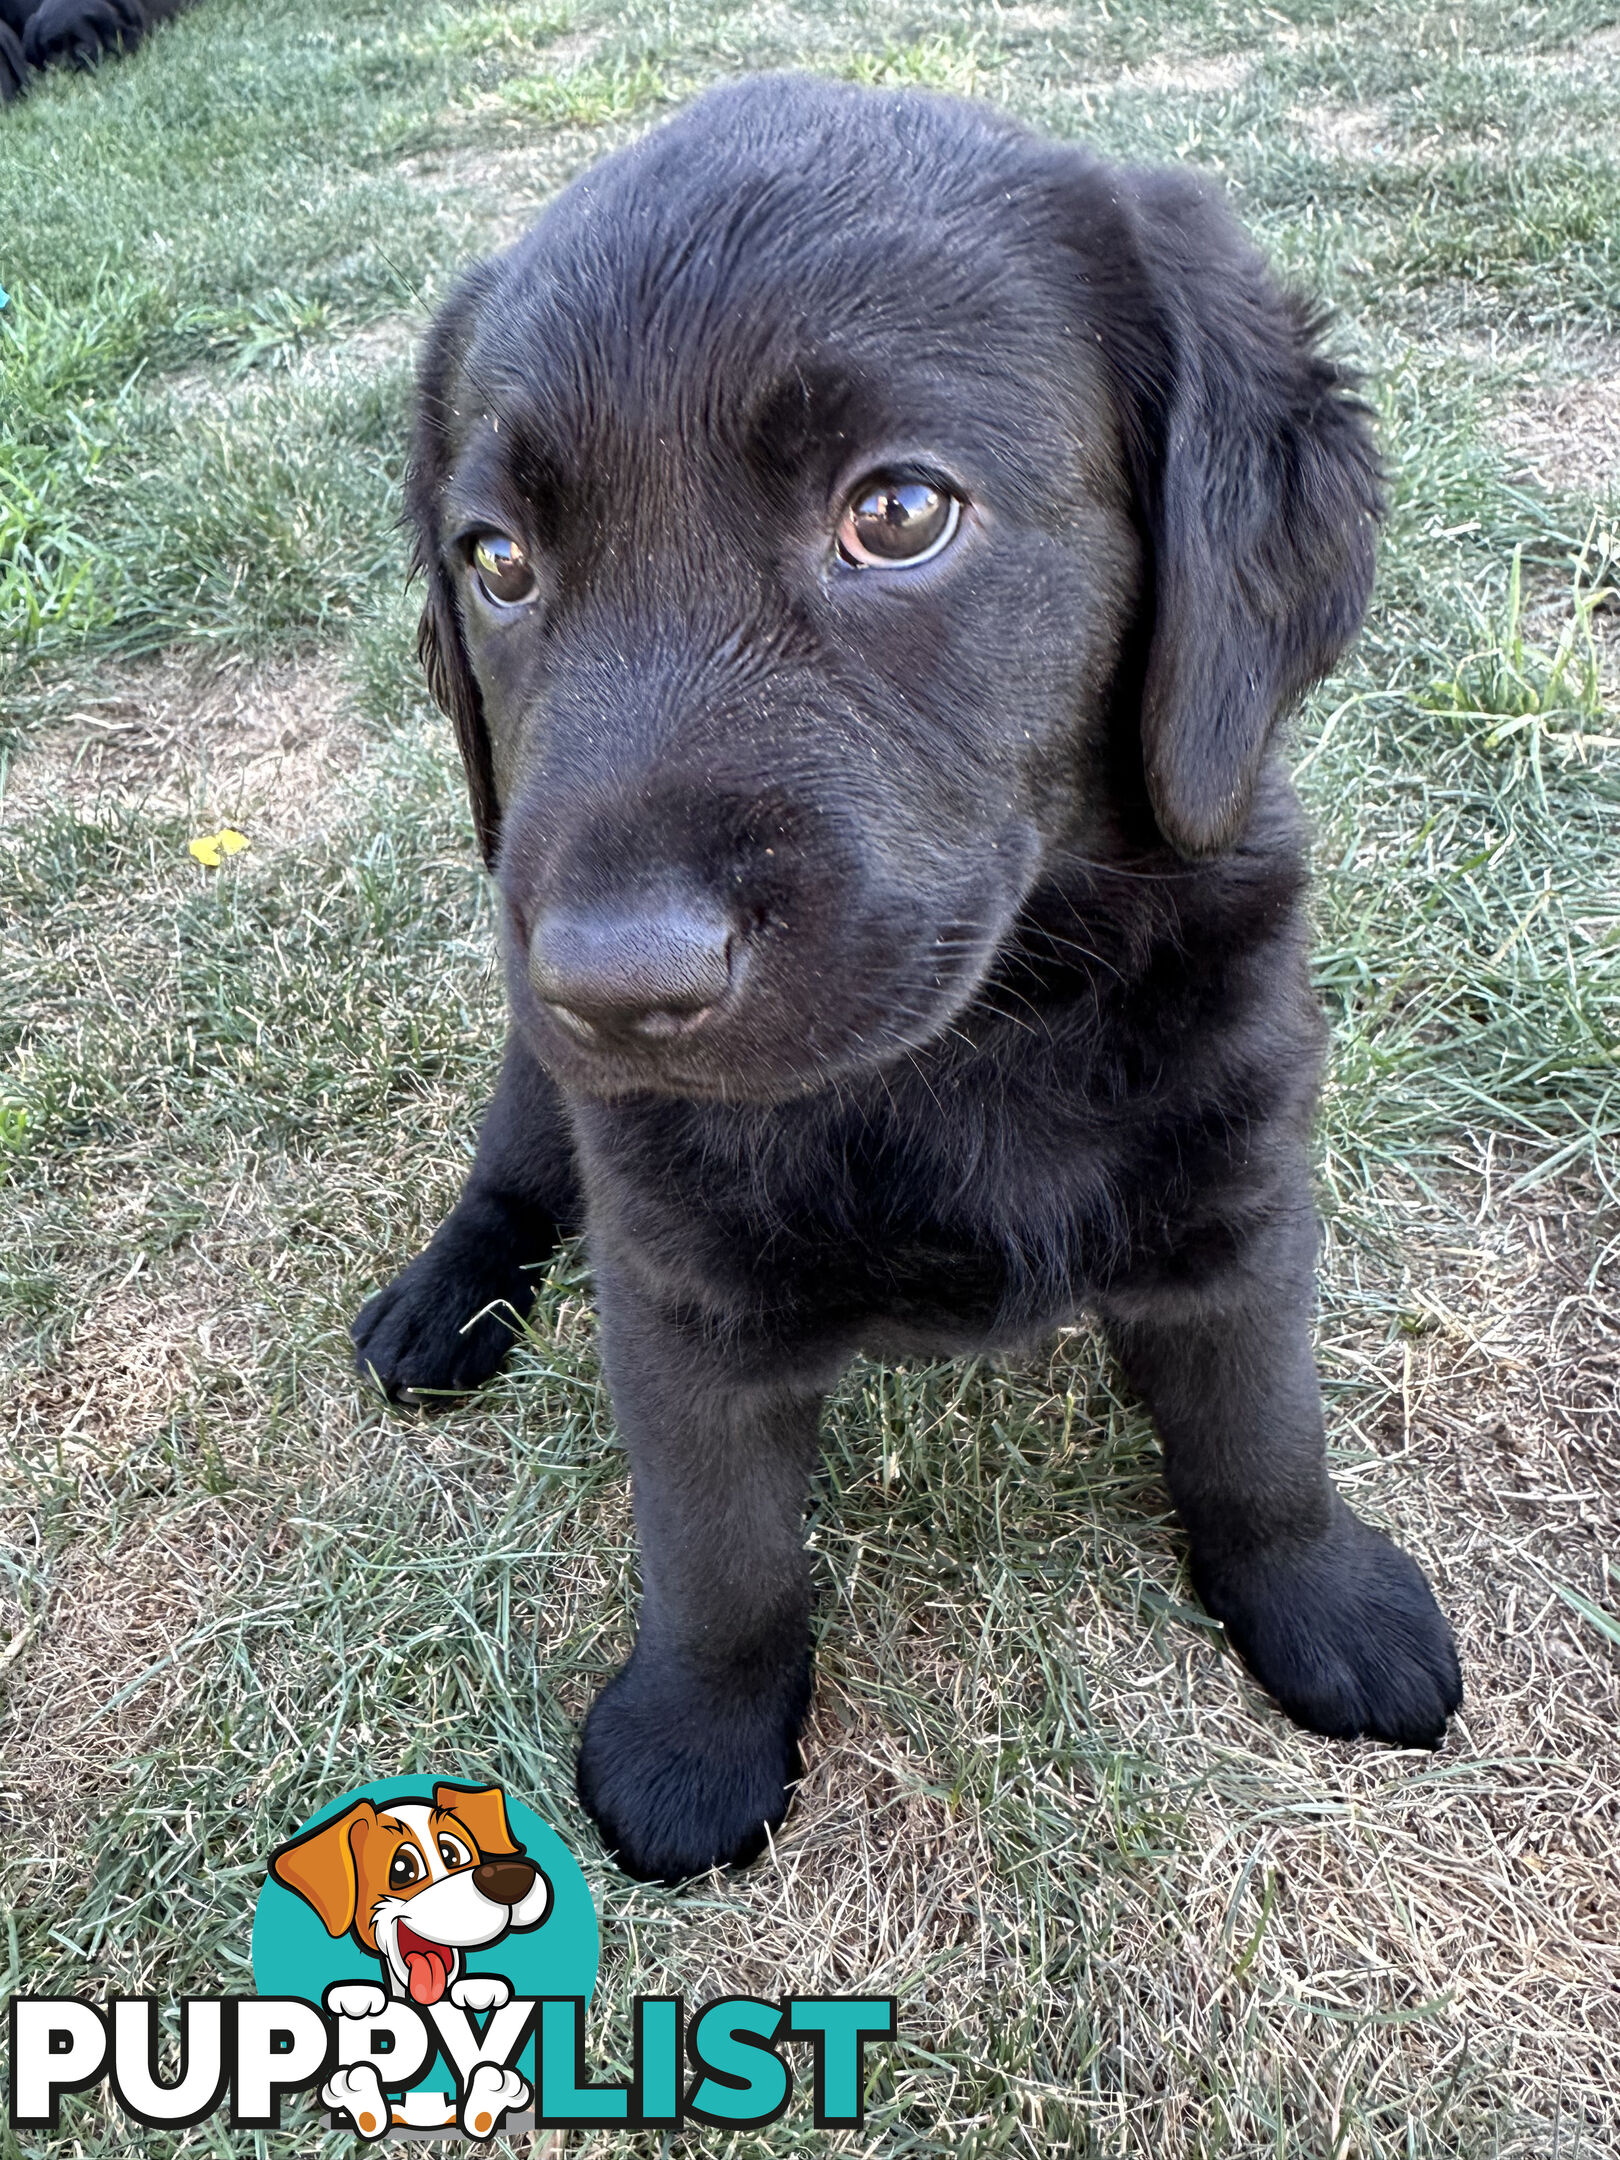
x,y
417,1884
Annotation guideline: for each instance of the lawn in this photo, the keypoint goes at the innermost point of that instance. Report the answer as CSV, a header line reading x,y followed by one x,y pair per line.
x,y
1126,1909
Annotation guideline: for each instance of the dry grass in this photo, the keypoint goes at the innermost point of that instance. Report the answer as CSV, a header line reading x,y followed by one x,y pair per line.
x,y
108,1618
263,745
1258,1899
1344,131
1565,436
494,191
1165,77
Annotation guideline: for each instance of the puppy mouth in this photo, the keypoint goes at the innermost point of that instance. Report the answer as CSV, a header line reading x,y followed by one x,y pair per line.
x,y
657,1026
428,1965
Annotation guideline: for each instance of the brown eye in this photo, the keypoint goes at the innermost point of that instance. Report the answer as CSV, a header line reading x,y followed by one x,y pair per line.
x,y
404,1869
502,570
896,524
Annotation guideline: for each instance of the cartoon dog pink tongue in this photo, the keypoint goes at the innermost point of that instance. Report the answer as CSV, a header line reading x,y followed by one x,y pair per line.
x,y
427,1964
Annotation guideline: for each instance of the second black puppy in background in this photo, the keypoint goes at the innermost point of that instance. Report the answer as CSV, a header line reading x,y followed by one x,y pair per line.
x,y
40,33
868,550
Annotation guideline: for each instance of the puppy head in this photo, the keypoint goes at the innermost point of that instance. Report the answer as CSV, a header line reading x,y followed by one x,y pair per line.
x,y
840,509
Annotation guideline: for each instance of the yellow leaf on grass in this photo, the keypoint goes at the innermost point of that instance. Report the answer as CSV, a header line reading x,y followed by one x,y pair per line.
x,y
213,846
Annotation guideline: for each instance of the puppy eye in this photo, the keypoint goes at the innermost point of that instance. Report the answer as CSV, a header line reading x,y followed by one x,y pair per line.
x,y
502,570
896,523
404,1869
452,1853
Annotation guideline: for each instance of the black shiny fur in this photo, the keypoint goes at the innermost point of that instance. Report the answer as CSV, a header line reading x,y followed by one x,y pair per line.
x,y
1021,1022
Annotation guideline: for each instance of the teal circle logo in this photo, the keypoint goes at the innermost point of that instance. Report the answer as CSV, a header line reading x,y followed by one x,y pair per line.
x,y
435,1894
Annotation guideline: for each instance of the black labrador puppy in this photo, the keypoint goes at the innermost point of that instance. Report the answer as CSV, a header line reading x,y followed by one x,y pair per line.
x,y
868,550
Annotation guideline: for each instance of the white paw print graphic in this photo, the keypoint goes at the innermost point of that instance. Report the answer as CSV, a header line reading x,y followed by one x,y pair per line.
x,y
358,2094
480,1991
491,2093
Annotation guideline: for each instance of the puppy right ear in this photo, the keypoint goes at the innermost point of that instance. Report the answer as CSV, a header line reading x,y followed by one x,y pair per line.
x,y
1258,484
1255,482
439,642
320,1867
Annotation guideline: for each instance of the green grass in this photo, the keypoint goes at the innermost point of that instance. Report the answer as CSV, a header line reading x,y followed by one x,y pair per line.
x,y
1126,1910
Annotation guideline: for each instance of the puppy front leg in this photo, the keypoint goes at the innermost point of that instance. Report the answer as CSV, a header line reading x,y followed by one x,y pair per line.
x,y
688,1753
446,1322
1335,1621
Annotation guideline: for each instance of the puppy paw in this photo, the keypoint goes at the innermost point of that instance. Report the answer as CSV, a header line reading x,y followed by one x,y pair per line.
x,y
358,2095
1344,1632
356,1999
480,1991
677,1790
445,1324
491,2094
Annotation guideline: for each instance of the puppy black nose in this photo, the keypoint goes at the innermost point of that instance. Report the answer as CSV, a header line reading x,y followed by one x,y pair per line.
x,y
505,1882
651,970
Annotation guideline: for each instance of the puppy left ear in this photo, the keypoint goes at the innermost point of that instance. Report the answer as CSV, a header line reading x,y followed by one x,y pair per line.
x,y
454,689
439,643
480,1809
1258,486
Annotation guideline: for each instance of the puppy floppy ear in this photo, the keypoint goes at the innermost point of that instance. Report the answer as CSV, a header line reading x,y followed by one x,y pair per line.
x,y
1258,485
454,689
481,1810
320,1867
439,642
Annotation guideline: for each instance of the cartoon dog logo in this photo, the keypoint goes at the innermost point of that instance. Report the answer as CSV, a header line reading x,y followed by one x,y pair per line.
x,y
417,1884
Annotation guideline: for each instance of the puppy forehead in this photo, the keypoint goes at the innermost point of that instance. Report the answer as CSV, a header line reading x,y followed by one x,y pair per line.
x,y
847,270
